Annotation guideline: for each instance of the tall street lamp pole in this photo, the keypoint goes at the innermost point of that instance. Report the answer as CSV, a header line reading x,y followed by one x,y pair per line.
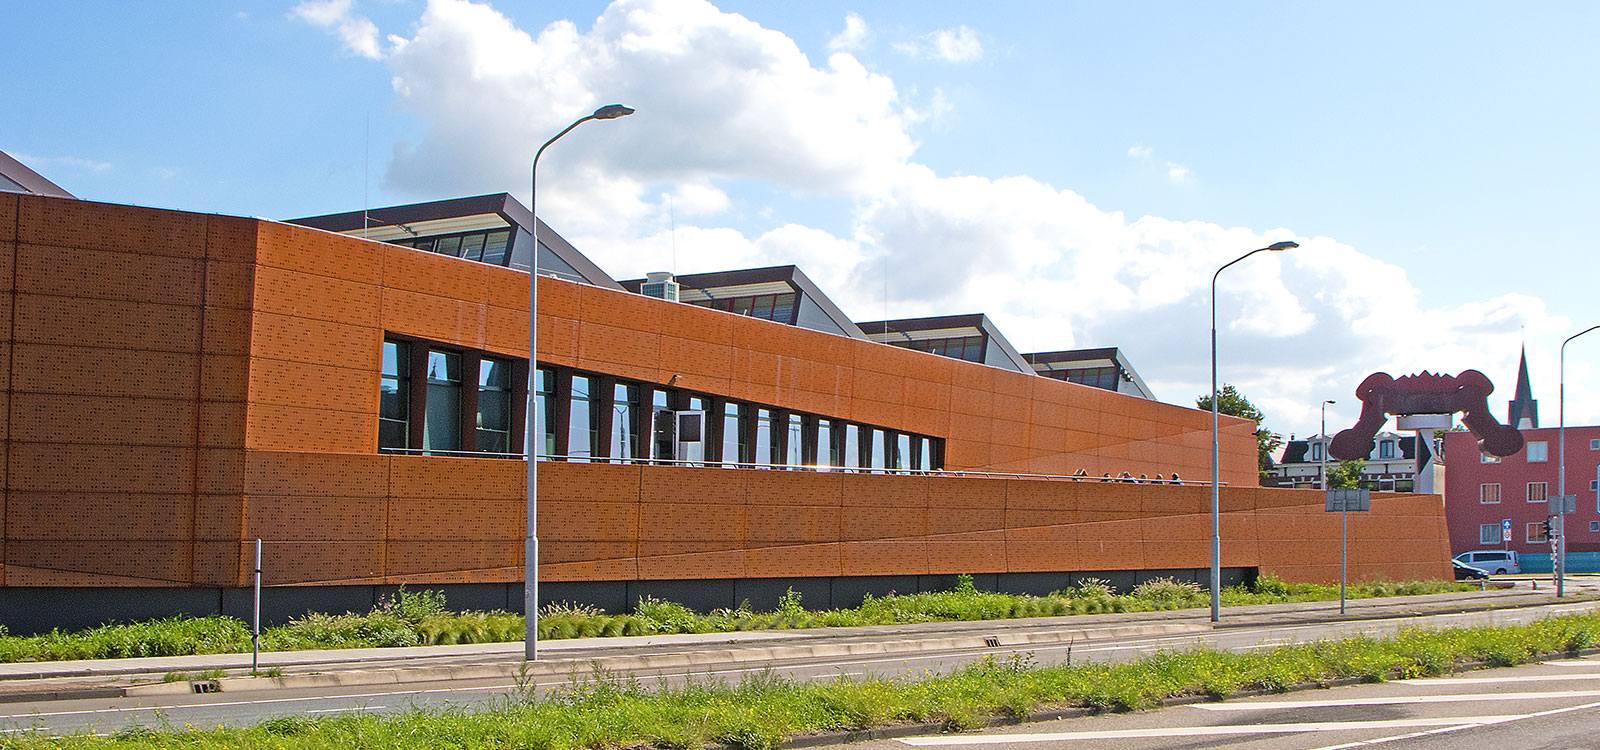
x,y
1216,450
531,435
1561,475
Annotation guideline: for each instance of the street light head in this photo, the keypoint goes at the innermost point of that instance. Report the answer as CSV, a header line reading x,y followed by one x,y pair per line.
x,y
1330,401
612,112
1281,246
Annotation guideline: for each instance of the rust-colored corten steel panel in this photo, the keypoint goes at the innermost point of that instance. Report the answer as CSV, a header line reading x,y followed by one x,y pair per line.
x,y
244,403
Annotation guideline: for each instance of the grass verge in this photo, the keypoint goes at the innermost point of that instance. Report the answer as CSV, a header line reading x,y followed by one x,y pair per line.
x,y
758,713
422,618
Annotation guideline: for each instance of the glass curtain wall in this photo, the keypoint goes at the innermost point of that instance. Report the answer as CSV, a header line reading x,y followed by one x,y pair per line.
x,y
580,431
494,406
623,439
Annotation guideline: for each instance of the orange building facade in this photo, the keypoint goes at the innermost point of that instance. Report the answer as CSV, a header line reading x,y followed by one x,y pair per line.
x,y
177,385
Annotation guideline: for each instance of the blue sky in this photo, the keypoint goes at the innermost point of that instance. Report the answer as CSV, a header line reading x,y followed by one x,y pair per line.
x,y
1076,170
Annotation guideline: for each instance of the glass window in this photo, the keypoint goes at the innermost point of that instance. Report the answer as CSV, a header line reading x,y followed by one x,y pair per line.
x,y
494,247
902,451
796,444
1538,492
827,446
1489,494
852,446
1594,444
580,430
927,454
1484,458
763,451
1488,533
1386,449
623,438
1538,452
441,429
472,246
447,245
879,459
783,309
695,452
732,440
394,396
1536,533
494,406
1316,451
545,383
661,426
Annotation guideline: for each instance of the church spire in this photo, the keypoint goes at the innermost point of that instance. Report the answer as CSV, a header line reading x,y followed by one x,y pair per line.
x,y
1523,411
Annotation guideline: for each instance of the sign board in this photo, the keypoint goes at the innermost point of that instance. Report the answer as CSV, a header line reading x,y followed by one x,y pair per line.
x,y
1340,501
1563,504
1505,530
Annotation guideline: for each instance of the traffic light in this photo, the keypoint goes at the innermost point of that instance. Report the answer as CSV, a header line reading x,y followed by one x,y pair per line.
x,y
1547,531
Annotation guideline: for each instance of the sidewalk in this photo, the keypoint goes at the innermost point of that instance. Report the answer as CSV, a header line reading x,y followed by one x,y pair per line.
x,y
33,681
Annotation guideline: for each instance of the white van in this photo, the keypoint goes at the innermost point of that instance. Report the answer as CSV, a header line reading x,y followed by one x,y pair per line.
x,y
1492,560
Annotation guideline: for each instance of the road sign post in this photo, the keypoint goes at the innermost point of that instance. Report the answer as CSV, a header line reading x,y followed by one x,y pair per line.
x,y
1505,532
1560,507
1342,502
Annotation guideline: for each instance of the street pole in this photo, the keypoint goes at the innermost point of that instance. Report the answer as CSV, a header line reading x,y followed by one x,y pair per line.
x,y
531,435
1216,449
1344,513
255,620
1561,469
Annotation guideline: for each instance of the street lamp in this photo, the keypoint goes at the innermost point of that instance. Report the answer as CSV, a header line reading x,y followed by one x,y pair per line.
x,y
1322,468
531,436
1216,450
1561,475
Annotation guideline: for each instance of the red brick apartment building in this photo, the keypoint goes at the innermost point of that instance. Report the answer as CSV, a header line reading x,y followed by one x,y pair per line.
x,y
1483,492
175,385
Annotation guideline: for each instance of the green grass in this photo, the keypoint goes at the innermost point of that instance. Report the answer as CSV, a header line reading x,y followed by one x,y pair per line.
x,y
611,711
422,619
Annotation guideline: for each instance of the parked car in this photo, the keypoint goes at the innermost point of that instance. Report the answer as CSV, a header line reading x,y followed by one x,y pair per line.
x,y
1497,561
1467,572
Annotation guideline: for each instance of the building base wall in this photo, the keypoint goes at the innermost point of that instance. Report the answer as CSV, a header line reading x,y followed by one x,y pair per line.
x,y
32,610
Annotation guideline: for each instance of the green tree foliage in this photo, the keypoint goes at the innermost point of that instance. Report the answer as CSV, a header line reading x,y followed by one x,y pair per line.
x,y
1346,475
1233,403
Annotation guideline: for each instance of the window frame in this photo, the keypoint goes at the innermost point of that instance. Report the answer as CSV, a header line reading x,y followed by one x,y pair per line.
x,y
1543,494
1484,493
1496,537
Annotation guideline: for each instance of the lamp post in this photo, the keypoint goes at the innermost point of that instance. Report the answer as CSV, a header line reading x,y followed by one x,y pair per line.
x,y
1322,468
1216,450
531,435
1561,470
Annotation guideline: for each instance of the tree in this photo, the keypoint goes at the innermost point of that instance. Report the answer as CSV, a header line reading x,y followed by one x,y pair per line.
x,y
1233,403
1346,475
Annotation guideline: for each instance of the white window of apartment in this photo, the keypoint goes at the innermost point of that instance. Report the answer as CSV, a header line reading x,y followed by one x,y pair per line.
x,y
1594,525
1316,451
1537,492
1488,533
1538,452
1594,444
1536,533
1489,494
1386,449
1484,458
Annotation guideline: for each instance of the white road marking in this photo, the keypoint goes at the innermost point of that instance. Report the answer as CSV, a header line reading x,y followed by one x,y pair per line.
x,y
1334,703
1453,681
337,710
1381,740
1111,734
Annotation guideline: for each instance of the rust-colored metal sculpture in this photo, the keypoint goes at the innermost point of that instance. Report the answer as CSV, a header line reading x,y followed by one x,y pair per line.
x,y
1427,393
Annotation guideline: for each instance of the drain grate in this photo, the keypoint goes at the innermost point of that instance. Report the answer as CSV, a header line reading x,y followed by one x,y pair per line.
x,y
992,641
205,686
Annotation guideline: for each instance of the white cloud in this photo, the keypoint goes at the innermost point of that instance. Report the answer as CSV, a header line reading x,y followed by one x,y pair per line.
x,y
359,35
723,102
957,45
1178,174
71,162
855,35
